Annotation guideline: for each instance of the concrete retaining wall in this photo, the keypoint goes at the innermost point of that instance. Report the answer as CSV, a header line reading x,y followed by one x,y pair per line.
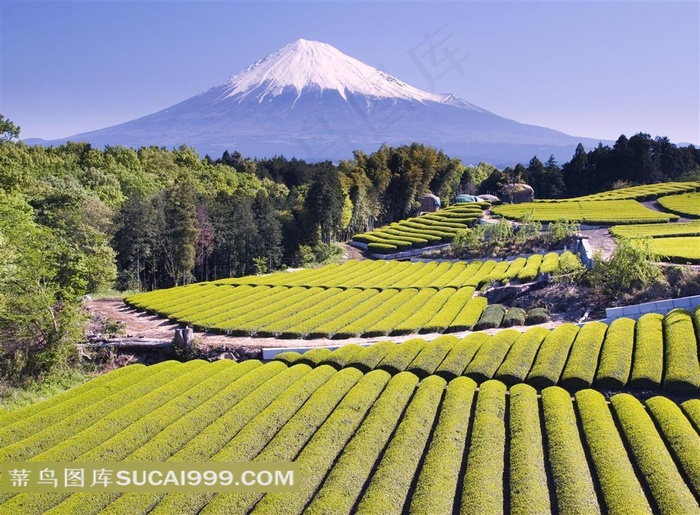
x,y
660,306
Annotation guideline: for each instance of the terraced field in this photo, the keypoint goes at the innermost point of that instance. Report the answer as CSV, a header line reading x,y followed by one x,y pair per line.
x,y
677,242
656,230
682,249
685,205
655,352
596,212
645,192
370,298
422,231
377,441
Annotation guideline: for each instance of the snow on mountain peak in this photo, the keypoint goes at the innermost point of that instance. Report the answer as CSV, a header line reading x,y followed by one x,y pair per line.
x,y
303,64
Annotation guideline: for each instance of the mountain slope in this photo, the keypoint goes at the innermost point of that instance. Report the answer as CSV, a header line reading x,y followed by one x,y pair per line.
x,y
311,101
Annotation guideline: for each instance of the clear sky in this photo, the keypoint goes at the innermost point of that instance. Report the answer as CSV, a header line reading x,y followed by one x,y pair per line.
x,y
593,69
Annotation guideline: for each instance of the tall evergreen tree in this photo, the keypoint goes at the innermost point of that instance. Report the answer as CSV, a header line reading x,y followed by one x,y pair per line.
x,y
575,173
181,228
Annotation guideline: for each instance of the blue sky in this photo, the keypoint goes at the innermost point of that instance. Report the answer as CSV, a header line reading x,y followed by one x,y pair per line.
x,y
593,69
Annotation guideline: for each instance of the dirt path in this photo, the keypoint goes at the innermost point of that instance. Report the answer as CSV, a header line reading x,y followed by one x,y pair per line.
x,y
352,252
600,241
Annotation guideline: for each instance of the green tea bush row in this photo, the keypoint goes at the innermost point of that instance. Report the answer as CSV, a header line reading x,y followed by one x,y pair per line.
x,y
420,317
132,439
581,366
684,205
691,409
682,372
521,356
490,355
461,355
254,436
352,432
514,269
437,483
644,192
431,238
656,465
444,318
602,212
616,356
537,316
313,299
32,419
317,315
314,357
491,317
648,359
343,325
682,439
550,262
469,315
432,355
430,274
552,356
370,357
573,482
621,490
400,356
291,438
75,444
645,355
388,488
529,490
483,482
207,430
322,451
374,313
392,320
531,269
258,297
222,296
681,249
498,273
514,317
421,231
313,306
656,230
348,476
30,441
340,357
281,299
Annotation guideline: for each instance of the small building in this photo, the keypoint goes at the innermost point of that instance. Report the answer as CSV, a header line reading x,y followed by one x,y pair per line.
x,y
517,193
429,203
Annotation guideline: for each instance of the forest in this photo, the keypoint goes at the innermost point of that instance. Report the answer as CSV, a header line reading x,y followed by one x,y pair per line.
x,y
75,220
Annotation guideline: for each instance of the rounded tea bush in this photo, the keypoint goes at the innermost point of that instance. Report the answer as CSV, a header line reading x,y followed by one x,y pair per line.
x,y
514,316
537,316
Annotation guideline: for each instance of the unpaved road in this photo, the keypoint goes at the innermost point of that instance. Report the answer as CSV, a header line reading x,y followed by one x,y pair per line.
x,y
600,241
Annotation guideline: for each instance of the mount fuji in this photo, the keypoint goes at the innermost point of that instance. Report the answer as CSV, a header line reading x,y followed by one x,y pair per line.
x,y
310,101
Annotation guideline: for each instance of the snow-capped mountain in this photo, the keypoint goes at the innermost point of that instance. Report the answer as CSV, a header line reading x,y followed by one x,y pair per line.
x,y
312,64
309,100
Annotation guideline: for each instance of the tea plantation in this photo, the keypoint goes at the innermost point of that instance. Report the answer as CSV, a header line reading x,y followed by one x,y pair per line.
x,y
419,427
368,298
